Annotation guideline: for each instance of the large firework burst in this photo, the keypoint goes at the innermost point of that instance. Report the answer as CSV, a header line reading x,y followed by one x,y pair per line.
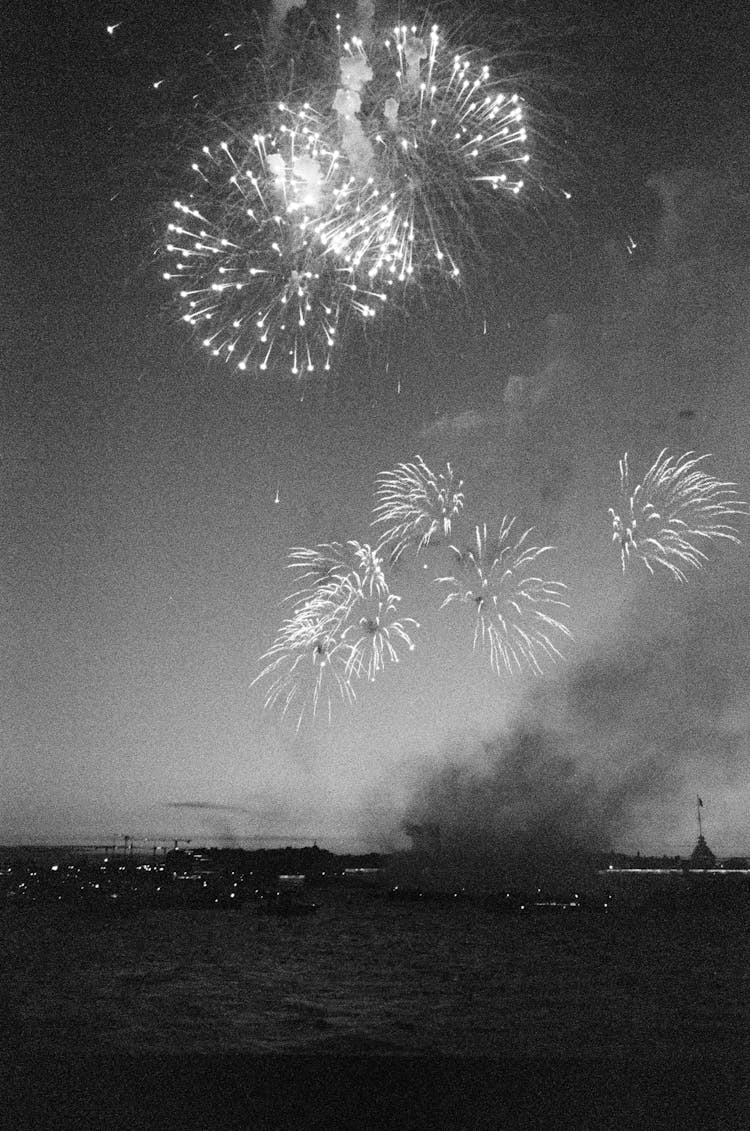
x,y
419,504
255,279
664,519
439,141
510,601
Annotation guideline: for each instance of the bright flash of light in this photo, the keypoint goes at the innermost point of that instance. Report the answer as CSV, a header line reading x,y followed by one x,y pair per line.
x,y
345,626
510,601
419,505
449,142
254,279
677,506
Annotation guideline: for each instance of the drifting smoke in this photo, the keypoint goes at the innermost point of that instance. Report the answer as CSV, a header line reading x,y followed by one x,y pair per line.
x,y
594,761
524,814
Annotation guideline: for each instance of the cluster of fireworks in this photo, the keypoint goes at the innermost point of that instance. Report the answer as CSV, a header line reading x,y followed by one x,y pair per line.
x,y
345,622
320,211
677,508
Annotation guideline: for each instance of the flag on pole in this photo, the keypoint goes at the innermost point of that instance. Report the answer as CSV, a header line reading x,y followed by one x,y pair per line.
x,y
700,803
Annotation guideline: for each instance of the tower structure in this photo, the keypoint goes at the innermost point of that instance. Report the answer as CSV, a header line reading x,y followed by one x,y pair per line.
x,y
701,857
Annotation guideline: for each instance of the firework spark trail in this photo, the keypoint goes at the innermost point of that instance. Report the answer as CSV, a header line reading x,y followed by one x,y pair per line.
x,y
510,602
345,626
443,132
420,505
667,515
253,273
307,660
338,568
374,634
287,236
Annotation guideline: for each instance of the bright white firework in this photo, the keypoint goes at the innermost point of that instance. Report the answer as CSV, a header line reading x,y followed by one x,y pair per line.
x,y
374,633
664,519
510,601
448,141
306,663
419,504
255,280
352,578
336,568
345,626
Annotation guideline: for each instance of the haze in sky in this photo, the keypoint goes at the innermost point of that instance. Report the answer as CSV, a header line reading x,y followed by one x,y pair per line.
x,y
150,496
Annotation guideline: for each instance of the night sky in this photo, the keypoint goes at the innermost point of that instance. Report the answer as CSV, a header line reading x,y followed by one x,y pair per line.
x,y
143,552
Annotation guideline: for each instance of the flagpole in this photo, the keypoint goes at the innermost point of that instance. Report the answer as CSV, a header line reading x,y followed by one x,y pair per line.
x,y
698,807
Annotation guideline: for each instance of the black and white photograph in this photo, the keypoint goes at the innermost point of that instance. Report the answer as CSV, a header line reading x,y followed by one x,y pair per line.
x,y
374,575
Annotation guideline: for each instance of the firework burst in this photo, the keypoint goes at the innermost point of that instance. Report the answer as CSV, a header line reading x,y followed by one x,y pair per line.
x,y
338,567
419,504
256,281
676,507
307,663
511,602
442,139
345,626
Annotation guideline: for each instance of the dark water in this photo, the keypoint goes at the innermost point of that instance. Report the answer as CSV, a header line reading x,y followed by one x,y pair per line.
x,y
379,996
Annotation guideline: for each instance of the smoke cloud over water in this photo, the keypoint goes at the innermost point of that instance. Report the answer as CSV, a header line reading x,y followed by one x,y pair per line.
x,y
609,755
653,707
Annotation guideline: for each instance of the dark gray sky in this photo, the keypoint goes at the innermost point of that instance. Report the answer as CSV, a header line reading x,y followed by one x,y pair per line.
x,y
143,550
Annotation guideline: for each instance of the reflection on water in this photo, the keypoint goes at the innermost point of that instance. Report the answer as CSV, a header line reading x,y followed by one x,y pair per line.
x,y
369,974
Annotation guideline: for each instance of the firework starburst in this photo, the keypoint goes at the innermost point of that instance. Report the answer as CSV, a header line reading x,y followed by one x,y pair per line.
x,y
345,626
255,280
419,505
307,663
511,602
444,141
678,506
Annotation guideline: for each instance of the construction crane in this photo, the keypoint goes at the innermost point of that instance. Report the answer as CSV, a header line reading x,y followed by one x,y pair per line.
x,y
156,841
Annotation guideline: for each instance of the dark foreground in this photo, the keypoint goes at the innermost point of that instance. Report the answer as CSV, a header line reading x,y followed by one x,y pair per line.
x,y
55,1089
375,1014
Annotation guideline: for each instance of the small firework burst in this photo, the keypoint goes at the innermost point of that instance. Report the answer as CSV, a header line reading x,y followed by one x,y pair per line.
x,y
511,602
665,518
419,504
374,634
345,626
256,281
443,141
307,662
